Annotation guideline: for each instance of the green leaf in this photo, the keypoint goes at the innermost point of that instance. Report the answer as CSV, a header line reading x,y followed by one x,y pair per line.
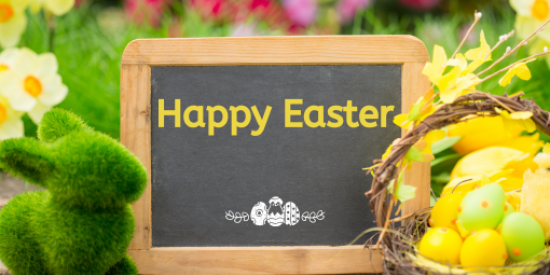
x,y
402,192
442,159
415,154
444,144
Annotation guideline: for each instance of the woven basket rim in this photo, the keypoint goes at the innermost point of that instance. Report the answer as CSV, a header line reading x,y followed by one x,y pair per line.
x,y
464,108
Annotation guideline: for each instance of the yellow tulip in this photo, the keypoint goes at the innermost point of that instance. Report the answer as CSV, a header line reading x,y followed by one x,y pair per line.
x,y
481,132
494,160
469,183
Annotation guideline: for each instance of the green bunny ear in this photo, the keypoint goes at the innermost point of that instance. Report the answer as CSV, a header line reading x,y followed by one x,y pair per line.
x,y
26,158
58,123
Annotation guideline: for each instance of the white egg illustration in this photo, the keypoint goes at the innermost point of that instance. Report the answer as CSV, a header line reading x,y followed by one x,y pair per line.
x,y
292,214
275,213
258,215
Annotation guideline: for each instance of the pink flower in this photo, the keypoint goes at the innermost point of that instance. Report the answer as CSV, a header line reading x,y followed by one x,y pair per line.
x,y
145,11
301,12
420,5
78,3
347,9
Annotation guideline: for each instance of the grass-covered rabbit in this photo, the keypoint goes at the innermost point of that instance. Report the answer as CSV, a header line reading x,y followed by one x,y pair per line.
x,y
82,223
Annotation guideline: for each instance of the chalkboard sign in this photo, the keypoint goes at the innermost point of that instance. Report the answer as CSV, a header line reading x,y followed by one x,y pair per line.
x,y
255,149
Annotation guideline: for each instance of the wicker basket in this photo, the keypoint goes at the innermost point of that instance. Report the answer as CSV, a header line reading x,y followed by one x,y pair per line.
x,y
397,243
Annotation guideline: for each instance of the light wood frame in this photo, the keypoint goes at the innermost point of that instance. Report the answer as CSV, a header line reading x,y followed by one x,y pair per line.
x,y
135,99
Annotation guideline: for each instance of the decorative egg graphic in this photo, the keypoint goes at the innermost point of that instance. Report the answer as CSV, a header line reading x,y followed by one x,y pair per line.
x,y
275,214
292,214
258,215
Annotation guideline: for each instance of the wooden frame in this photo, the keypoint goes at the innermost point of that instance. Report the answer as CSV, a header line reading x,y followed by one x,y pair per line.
x,y
135,94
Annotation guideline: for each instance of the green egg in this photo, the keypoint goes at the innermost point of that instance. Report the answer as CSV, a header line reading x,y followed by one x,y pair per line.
x,y
482,208
522,235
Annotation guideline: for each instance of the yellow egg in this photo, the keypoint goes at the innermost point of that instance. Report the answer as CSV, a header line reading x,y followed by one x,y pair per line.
x,y
441,244
445,211
483,248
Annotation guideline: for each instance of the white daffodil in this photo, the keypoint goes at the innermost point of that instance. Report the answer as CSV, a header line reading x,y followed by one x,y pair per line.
x,y
7,59
33,84
13,21
11,125
57,7
531,14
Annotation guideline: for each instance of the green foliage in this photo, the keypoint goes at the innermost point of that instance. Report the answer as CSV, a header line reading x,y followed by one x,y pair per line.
x,y
82,224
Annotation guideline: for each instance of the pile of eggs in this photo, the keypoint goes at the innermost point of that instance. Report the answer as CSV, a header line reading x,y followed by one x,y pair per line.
x,y
480,229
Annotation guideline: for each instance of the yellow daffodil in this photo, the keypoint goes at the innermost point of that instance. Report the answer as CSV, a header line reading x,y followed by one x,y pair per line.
x,y
7,59
57,7
13,21
11,125
33,84
482,132
515,119
531,14
520,70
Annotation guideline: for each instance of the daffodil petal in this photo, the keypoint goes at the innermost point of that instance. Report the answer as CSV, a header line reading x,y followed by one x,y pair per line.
x,y
22,101
54,92
525,26
59,7
26,63
47,65
506,79
11,31
35,6
521,115
7,57
10,83
38,112
12,128
522,7
522,71
19,5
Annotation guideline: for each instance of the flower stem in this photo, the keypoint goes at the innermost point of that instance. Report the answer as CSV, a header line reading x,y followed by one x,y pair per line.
x,y
514,49
50,21
510,66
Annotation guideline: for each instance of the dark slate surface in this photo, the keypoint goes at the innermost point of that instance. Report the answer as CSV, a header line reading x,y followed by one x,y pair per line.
x,y
197,178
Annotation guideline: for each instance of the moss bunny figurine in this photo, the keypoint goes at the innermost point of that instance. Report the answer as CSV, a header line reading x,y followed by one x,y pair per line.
x,y
82,223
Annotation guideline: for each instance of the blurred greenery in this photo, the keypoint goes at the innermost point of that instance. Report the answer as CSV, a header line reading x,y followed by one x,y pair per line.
x,y
89,42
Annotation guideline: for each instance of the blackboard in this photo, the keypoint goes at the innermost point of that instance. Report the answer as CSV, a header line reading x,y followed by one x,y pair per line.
x,y
202,185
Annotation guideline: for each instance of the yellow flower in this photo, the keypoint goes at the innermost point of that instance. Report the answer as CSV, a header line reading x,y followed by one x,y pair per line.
x,y
33,85
455,83
435,69
494,160
11,125
57,7
531,14
7,59
515,119
520,69
483,53
13,21
469,183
